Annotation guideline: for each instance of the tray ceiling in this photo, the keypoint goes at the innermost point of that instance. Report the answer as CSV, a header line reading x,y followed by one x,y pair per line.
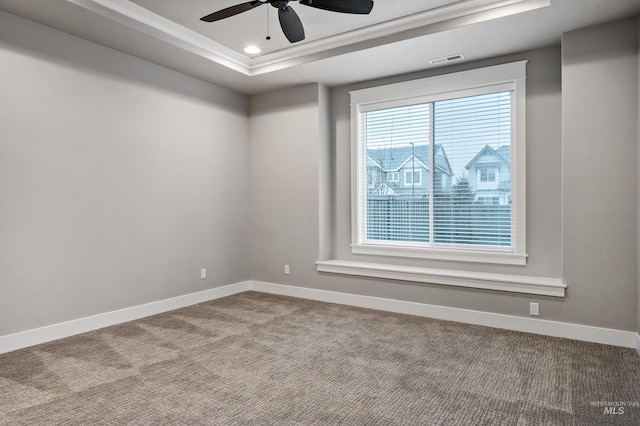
x,y
250,28
330,33
398,37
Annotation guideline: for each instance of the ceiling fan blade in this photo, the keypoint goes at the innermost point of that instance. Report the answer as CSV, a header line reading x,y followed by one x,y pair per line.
x,y
291,24
230,11
362,7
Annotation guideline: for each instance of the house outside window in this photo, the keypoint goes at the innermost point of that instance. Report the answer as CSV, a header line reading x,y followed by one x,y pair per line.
x,y
458,142
490,174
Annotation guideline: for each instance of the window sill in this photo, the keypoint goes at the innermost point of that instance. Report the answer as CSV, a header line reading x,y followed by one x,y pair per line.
x,y
482,280
484,256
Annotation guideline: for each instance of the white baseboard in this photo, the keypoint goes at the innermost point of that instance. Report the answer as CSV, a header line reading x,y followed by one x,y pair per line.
x,y
607,336
587,333
36,336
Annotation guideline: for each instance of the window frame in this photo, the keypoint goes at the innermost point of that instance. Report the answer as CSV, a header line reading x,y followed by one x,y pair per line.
x,y
465,83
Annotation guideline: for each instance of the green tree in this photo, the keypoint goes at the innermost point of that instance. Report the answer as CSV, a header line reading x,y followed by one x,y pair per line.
x,y
463,197
463,193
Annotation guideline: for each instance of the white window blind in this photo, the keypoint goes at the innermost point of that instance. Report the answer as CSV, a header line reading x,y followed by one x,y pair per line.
x,y
454,159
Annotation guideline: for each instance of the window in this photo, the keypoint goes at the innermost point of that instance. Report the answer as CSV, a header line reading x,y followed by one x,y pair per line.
x,y
393,177
412,177
464,131
488,200
487,175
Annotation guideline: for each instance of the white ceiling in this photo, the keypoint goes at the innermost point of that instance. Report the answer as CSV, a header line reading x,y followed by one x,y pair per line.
x,y
399,36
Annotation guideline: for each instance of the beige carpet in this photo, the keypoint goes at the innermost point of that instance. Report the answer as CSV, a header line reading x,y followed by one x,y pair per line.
x,y
254,359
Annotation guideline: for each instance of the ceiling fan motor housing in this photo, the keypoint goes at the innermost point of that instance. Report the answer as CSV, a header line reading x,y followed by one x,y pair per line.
x,y
279,4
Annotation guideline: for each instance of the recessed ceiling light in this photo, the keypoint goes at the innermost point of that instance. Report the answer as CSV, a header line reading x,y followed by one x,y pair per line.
x,y
252,50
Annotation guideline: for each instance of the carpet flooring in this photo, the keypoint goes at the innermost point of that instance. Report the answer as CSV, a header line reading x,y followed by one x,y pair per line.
x,y
260,359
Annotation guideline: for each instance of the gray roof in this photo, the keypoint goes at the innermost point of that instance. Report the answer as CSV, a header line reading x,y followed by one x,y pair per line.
x,y
503,153
392,159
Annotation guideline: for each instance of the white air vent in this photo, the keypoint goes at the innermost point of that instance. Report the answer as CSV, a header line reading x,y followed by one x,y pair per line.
x,y
446,59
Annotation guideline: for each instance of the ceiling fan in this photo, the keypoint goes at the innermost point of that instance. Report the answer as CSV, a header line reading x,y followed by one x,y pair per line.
x,y
289,20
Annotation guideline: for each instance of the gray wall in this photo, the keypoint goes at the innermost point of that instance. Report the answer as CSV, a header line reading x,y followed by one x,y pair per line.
x,y
285,152
600,273
600,113
119,180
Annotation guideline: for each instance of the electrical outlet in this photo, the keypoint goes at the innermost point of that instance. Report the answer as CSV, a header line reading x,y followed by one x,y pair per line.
x,y
534,309
203,274
286,269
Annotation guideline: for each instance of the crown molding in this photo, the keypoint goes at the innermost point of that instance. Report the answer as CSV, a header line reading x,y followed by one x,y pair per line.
x,y
143,20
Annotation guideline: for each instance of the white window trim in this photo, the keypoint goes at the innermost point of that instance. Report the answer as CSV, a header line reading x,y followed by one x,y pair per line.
x,y
511,74
393,177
